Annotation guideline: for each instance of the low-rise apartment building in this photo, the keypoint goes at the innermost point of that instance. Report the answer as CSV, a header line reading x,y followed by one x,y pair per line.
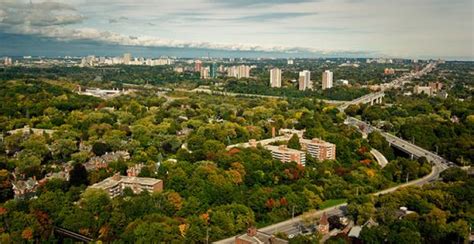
x,y
115,185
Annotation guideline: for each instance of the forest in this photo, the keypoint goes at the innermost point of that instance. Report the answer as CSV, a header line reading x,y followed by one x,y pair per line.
x,y
209,192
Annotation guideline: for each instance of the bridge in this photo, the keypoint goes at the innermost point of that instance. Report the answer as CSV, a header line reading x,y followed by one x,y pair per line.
x,y
439,164
72,235
371,98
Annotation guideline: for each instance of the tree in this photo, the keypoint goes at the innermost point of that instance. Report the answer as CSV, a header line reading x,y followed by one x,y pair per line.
x,y
6,191
294,142
100,148
78,175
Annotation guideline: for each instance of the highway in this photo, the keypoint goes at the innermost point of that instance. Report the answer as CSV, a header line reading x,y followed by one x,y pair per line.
x,y
439,165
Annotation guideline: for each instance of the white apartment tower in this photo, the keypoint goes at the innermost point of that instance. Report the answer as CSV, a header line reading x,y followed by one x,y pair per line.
x,y
127,58
327,79
275,77
304,82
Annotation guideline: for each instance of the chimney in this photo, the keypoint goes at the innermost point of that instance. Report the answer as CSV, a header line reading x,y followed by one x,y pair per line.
x,y
252,231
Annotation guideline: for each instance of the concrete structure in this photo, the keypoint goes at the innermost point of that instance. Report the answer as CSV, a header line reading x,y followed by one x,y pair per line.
x,y
253,236
205,72
290,61
127,58
275,77
197,66
115,185
304,81
371,98
436,86
213,70
319,149
241,71
423,90
285,154
327,79
26,130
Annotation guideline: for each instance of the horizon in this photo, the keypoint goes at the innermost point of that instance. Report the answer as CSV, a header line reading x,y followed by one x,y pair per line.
x,y
280,29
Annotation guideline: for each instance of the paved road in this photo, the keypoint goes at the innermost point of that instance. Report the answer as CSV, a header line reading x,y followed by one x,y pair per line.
x,y
439,165
381,159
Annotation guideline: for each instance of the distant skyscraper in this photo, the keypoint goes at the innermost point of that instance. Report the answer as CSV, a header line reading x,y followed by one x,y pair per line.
x,y
205,72
327,79
213,71
127,58
241,71
305,80
275,77
197,65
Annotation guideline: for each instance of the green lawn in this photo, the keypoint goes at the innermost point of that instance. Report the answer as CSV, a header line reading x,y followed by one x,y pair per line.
x,y
332,202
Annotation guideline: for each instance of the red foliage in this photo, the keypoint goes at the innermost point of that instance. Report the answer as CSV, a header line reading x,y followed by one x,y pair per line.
x,y
270,203
283,201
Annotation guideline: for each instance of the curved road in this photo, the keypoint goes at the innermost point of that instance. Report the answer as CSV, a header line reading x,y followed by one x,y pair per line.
x,y
439,165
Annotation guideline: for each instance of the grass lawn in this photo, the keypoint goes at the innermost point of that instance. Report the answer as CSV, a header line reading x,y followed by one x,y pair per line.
x,y
332,202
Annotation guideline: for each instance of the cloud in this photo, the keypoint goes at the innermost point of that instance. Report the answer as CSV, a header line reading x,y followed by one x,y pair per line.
x,y
272,16
89,34
253,3
14,13
117,20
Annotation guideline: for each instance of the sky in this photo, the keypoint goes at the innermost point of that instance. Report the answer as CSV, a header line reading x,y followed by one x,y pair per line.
x,y
386,28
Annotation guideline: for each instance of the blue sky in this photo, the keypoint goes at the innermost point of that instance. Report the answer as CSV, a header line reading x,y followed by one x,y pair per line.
x,y
403,28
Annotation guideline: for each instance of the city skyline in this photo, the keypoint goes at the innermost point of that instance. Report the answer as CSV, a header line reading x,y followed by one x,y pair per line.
x,y
304,28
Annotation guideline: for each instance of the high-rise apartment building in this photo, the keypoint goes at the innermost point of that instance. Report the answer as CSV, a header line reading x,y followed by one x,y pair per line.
x,y
197,66
127,58
304,82
275,77
327,79
205,72
241,71
213,70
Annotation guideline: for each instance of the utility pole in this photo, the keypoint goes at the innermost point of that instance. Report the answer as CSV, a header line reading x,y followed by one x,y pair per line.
x,y
293,213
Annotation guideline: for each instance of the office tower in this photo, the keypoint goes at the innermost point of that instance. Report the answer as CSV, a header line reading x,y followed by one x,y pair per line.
x,y
275,77
304,80
127,58
290,62
213,71
197,66
205,72
327,79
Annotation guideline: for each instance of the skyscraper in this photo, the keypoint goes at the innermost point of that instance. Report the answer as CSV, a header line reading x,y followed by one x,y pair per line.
x,y
127,57
305,80
275,77
241,71
327,79
213,72
197,65
205,72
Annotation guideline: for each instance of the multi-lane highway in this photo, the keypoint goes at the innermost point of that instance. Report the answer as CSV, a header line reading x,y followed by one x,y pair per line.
x,y
439,164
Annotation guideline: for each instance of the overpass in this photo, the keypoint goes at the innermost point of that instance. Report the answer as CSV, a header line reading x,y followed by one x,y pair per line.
x,y
371,98
72,235
439,164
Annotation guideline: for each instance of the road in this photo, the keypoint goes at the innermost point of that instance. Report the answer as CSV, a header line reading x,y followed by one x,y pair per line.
x,y
381,159
439,165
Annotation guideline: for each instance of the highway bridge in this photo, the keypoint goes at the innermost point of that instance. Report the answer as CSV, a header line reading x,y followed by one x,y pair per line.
x,y
439,164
